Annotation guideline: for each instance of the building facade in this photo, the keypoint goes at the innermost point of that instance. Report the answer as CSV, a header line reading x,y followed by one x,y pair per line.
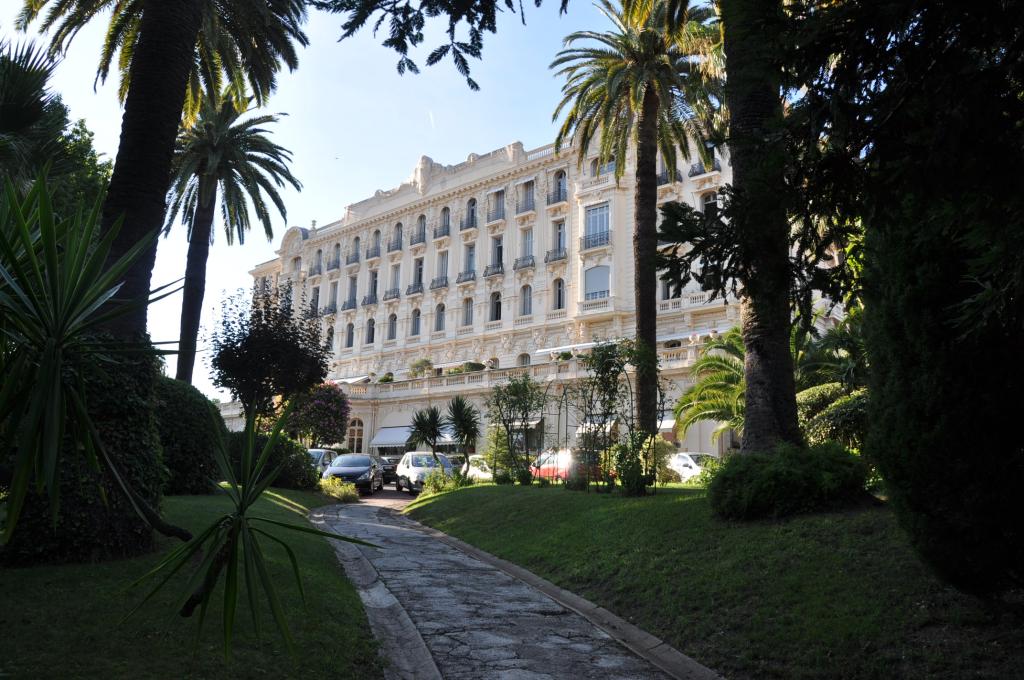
x,y
516,259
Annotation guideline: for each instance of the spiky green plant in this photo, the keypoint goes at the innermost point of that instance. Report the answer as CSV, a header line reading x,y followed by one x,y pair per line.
x,y
232,546
428,427
464,420
719,391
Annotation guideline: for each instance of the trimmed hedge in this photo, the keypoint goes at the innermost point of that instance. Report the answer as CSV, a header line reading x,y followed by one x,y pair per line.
x,y
845,421
191,428
298,472
90,528
789,481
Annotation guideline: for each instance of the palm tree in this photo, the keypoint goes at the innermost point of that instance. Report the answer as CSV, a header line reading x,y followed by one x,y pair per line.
x,y
719,391
167,47
638,83
428,428
32,118
220,154
464,420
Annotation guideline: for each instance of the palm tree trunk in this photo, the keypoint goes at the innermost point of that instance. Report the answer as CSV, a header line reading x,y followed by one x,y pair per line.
x,y
756,144
152,111
195,283
645,247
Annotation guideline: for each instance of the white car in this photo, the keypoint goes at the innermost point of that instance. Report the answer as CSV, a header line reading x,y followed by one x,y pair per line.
x,y
479,470
321,459
414,468
687,465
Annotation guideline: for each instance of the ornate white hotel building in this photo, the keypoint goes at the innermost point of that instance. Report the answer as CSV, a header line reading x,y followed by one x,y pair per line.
x,y
514,259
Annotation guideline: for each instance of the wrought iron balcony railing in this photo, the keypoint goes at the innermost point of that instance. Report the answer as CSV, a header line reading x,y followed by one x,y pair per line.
x,y
370,299
352,258
334,263
702,169
525,205
523,262
328,309
315,269
494,269
439,282
372,252
392,293
596,239
348,304
467,222
665,177
555,254
442,230
414,288
394,244
418,236
559,195
466,276
496,213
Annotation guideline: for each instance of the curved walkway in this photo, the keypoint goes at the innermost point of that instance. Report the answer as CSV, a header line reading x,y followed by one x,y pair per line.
x,y
439,612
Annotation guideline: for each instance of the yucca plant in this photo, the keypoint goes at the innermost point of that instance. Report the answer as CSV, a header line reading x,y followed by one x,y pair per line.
x,y
57,291
232,545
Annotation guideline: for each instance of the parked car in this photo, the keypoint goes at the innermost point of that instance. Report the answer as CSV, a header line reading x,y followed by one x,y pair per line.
x,y
389,461
358,468
687,465
414,468
479,470
322,459
559,465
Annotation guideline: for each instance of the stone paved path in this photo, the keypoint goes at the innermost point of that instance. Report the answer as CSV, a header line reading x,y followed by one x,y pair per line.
x,y
475,620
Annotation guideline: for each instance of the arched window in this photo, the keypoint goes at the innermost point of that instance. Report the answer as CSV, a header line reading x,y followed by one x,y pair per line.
x,y
396,234
710,204
296,264
524,359
421,222
471,211
495,306
392,327
414,326
526,301
467,312
330,339
355,436
492,363
355,245
439,317
595,281
376,238
560,183
350,335
337,253
558,294
319,257
371,327
446,217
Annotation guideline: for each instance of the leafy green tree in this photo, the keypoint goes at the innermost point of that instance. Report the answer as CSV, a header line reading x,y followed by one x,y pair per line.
x,y
638,84
168,48
464,420
428,427
32,118
267,347
321,415
511,407
221,158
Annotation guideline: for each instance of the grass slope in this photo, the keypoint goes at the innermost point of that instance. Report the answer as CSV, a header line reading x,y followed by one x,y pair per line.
x,y
63,621
825,596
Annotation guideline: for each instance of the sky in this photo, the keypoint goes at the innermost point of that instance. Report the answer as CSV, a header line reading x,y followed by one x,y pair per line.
x,y
353,126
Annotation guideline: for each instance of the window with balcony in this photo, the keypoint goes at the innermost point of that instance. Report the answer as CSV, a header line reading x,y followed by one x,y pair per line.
x,y
497,250
446,217
376,239
559,188
350,335
396,276
558,294
558,236
469,221
439,318
597,223
421,230
597,168
417,271
332,300
595,283
526,245
442,264
314,302
469,257
496,206
396,238
414,324
495,314
374,279
526,300
525,201
670,291
371,328
467,312
523,359
392,326
296,265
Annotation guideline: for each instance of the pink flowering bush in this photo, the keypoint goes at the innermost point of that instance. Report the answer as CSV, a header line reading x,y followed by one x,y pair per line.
x,y
321,415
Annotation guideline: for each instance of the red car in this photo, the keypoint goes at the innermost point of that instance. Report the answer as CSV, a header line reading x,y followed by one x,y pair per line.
x,y
559,465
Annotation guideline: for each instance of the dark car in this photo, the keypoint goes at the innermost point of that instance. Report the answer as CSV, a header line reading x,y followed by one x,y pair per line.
x,y
357,468
390,464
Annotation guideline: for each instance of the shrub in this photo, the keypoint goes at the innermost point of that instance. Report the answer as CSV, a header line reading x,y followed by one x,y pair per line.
x,y
629,469
387,378
503,477
709,468
438,482
298,471
190,428
420,367
321,415
788,481
90,528
543,482
576,481
813,400
524,476
845,421
343,492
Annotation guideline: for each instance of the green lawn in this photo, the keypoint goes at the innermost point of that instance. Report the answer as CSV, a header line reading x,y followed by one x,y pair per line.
x,y
64,621
827,596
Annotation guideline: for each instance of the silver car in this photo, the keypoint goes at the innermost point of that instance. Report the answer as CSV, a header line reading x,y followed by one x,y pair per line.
x,y
414,468
321,459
